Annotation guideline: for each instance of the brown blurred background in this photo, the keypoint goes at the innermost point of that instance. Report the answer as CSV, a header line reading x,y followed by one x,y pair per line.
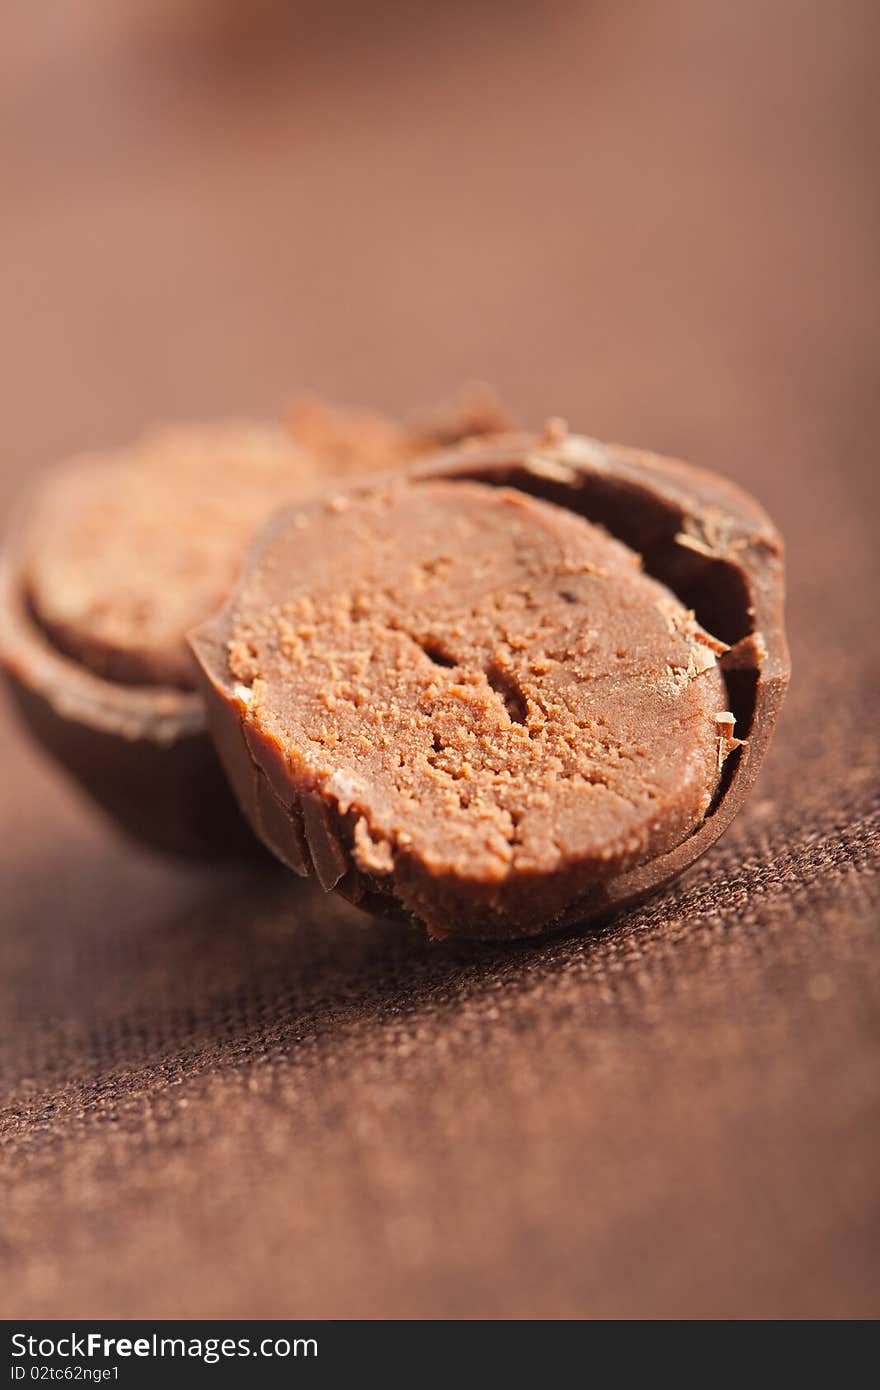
x,y
661,221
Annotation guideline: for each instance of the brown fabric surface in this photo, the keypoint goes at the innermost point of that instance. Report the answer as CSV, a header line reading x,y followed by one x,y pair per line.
x,y
226,1096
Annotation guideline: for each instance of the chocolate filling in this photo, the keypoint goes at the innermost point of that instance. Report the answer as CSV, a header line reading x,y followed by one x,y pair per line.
x,y
472,701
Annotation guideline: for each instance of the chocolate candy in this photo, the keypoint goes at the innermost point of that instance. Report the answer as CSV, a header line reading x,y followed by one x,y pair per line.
x,y
115,556
457,696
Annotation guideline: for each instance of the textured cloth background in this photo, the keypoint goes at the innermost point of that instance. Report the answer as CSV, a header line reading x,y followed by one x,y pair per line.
x,y
226,1096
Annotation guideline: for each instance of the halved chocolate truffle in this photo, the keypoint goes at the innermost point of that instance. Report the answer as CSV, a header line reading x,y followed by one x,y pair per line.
x,y
125,552
115,556
470,704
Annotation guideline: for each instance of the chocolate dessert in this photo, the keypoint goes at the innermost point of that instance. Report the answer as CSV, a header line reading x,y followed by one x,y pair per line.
x,y
511,690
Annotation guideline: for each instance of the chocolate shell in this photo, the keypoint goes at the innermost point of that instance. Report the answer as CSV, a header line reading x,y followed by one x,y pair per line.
x,y
705,540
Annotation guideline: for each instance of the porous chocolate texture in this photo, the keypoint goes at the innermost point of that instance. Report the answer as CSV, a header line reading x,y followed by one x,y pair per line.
x,y
458,697
115,556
